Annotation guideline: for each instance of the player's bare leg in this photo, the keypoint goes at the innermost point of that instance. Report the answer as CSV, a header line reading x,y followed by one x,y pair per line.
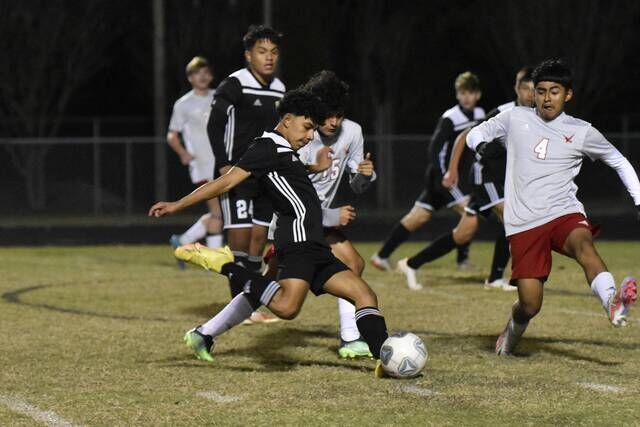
x,y
371,324
351,343
617,303
528,304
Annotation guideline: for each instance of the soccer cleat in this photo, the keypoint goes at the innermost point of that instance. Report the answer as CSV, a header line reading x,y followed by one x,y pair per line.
x,y
260,317
410,274
207,258
380,263
379,371
174,241
499,284
200,344
465,265
354,349
509,338
621,302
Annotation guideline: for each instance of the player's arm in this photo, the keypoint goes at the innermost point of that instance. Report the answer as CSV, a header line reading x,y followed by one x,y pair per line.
x,y
173,139
452,176
335,217
322,161
442,134
481,138
596,146
176,125
205,192
362,171
226,97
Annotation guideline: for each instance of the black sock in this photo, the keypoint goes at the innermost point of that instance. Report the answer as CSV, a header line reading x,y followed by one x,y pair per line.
x,y
258,289
398,235
501,257
372,328
439,247
241,259
463,253
254,263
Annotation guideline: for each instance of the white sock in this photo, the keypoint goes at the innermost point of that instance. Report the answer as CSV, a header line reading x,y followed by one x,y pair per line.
x,y
348,328
603,286
231,315
196,232
214,240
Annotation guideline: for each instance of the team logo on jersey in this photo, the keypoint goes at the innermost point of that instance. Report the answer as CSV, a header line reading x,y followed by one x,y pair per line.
x,y
568,139
257,103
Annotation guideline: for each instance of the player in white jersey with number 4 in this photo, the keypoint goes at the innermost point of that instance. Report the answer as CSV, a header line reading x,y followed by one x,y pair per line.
x,y
189,121
545,148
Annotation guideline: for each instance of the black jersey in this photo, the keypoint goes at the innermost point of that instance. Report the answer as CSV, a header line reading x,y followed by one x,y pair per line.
x,y
450,125
493,170
242,109
285,181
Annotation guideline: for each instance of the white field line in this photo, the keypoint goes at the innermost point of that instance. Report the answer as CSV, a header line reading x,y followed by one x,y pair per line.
x,y
49,418
217,397
602,387
414,389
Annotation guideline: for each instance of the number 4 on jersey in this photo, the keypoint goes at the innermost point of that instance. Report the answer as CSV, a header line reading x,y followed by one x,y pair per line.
x,y
541,149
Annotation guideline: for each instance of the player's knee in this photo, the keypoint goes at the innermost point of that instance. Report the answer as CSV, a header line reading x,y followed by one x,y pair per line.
x,y
288,312
462,236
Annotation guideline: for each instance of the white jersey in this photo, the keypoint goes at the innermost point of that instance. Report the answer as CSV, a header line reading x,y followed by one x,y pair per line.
x,y
543,158
190,116
347,146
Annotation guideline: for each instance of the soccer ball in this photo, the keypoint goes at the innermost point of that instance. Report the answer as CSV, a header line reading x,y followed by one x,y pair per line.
x,y
403,355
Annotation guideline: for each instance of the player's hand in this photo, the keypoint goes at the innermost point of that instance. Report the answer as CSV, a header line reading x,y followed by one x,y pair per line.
x,y
223,170
450,179
163,208
347,214
186,158
323,159
366,166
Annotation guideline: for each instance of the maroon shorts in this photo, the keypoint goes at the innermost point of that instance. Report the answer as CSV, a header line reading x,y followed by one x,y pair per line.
x,y
531,249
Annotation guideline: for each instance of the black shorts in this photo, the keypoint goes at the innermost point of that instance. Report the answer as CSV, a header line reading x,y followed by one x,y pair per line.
x,y
334,235
435,197
245,205
484,197
310,261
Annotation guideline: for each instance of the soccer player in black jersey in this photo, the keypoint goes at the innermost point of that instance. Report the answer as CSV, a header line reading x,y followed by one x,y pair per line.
x,y
243,107
487,196
434,197
306,262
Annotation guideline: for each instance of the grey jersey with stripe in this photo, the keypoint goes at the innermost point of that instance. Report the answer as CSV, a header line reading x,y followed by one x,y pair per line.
x,y
543,158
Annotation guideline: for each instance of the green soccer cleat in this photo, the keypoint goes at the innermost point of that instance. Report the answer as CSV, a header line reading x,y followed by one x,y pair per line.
x,y
207,258
354,350
200,344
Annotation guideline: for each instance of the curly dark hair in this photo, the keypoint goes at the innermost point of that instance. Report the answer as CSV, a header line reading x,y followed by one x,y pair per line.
x,y
553,70
301,102
260,32
330,89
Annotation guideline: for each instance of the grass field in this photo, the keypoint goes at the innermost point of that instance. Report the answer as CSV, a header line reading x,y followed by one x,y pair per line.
x,y
93,336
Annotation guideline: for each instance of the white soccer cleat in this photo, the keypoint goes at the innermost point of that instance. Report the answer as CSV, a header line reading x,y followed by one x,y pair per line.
x,y
410,274
506,341
621,302
499,284
380,263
